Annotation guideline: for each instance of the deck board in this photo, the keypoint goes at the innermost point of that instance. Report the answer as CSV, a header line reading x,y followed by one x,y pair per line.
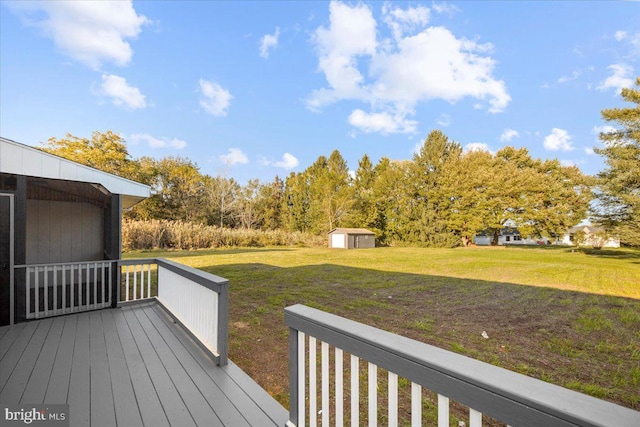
x,y
174,408
79,396
195,403
58,387
253,403
16,383
102,407
149,405
124,402
39,379
130,366
14,353
222,405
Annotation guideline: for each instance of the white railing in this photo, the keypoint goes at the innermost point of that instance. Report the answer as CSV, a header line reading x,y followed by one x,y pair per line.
x,y
198,300
137,278
427,372
61,288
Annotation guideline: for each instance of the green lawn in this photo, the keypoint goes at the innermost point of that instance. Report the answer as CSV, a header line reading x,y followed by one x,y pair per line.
x,y
570,317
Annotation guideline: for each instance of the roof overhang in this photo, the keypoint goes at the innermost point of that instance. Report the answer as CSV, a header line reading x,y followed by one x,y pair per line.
x,y
20,159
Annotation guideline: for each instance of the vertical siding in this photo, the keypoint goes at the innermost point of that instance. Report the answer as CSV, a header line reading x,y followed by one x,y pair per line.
x,y
63,231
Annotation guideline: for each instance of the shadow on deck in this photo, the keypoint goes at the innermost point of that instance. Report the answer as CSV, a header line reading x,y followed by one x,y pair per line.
x,y
128,366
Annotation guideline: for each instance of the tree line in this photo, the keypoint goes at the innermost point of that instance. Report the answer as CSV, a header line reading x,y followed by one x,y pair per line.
x,y
443,196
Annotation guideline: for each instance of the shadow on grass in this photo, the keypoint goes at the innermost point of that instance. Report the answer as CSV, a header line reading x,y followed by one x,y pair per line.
x,y
584,341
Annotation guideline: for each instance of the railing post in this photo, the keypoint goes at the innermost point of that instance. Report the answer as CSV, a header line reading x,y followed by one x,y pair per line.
x,y
293,378
115,284
223,323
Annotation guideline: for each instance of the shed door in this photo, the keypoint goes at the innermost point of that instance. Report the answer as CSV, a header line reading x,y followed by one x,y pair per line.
x,y
6,258
337,241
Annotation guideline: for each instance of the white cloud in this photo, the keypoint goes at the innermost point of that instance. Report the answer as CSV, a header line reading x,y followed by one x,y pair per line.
x,y
444,120
288,161
233,157
384,122
401,21
154,142
121,94
574,75
620,78
476,146
589,151
393,76
603,129
558,139
215,99
91,32
620,35
269,41
509,134
445,8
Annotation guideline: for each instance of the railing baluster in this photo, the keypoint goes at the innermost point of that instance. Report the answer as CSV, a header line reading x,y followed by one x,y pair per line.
x,y
313,411
110,281
80,288
126,272
373,395
325,384
149,282
355,391
63,276
135,281
28,293
87,285
95,285
475,418
443,411
46,291
393,399
301,380
55,290
37,296
416,405
103,266
72,290
339,388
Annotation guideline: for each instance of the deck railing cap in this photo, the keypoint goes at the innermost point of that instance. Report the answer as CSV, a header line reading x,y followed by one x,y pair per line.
x,y
559,402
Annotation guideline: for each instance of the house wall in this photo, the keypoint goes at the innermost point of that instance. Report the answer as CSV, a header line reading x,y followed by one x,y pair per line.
x,y
63,232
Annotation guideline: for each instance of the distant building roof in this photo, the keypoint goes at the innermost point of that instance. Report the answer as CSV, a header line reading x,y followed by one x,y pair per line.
x,y
585,228
20,159
351,231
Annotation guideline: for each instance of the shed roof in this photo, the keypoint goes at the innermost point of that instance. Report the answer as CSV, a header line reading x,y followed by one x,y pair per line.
x,y
351,231
20,159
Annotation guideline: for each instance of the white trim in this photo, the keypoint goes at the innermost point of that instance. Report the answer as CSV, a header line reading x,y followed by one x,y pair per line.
x,y
20,159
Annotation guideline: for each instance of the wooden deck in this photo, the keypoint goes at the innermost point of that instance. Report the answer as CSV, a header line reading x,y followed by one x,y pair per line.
x,y
130,366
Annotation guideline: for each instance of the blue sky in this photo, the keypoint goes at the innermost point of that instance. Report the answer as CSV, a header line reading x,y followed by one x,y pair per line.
x,y
258,89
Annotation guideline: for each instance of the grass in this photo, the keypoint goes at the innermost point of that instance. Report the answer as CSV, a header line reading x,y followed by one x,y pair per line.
x,y
571,317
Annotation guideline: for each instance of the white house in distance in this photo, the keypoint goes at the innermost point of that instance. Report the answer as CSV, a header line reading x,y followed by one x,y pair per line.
x,y
511,236
508,236
592,237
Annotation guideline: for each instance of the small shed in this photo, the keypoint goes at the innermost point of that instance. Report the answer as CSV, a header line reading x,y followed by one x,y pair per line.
x,y
351,238
54,211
